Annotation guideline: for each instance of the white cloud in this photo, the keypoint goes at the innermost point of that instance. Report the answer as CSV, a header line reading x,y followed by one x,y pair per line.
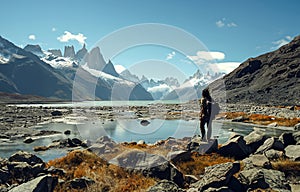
x,y
171,55
159,88
120,68
31,37
53,29
281,42
226,67
232,24
67,36
220,23
223,23
205,56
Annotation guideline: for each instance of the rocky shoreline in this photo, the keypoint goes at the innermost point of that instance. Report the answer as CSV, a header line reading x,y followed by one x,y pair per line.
x,y
258,162
256,156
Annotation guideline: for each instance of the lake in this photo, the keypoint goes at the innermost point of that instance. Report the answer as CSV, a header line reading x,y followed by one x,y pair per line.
x,y
124,130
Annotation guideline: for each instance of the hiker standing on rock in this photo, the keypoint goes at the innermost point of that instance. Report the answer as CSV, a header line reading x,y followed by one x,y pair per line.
x,y
205,113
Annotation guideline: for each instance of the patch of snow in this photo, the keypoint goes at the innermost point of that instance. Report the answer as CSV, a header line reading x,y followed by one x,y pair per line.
x,y
59,62
107,77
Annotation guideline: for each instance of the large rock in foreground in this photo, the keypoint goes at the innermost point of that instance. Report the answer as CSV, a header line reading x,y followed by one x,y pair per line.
x,y
165,186
235,147
263,178
217,176
44,183
293,152
149,165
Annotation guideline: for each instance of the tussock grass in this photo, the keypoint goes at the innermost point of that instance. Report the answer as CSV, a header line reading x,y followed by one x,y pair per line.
x,y
197,164
263,119
286,165
108,177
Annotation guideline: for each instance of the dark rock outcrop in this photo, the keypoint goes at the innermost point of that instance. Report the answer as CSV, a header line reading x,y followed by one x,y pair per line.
x,y
272,78
81,53
80,183
35,49
236,148
69,52
55,52
95,59
110,69
287,139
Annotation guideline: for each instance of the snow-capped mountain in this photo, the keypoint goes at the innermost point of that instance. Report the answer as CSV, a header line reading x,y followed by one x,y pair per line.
x,y
191,89
49,74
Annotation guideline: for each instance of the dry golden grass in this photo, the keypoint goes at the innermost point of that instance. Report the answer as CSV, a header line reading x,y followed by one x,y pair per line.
x,y
232,115
286,165
263,119
108,177
198,163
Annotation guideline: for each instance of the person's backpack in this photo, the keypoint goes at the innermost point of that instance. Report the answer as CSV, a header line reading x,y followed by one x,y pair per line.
x,y
215,109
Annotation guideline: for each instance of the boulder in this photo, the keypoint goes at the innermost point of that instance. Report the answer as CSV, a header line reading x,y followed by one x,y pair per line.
x,y
273,154
149,165
293,152
177,156
297,127
259,160
255,139
274,124
22,156
271,143
217,176
44,183
165,186
56,113
104,139
97,148
141,142
4,176
287,139
67,132
144,122
189,179
240,119
22,170
235,147
28,140
296,136
197,145
76,141
263,178
80,183
56,171
295,187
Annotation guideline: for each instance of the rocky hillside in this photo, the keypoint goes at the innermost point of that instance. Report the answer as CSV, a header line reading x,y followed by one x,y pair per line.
x,y
272,78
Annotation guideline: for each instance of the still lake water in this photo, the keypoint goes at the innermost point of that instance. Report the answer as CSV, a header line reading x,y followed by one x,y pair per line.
x,y
123,130
120,130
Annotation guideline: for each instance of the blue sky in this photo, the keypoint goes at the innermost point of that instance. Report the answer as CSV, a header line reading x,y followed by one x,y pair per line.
x,y
238,29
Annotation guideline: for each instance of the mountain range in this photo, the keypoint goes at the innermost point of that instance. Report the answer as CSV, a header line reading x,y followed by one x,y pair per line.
x,y
34,72
272,78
